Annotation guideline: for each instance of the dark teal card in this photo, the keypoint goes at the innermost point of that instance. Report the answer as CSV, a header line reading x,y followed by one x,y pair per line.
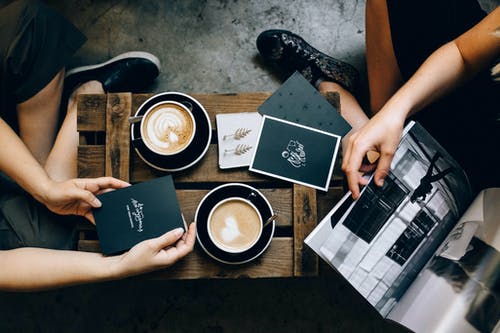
x,y
136,213
296,153
296,100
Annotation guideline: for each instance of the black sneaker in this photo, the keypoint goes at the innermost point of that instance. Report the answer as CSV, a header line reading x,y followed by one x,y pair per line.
x,y
290,52
127,72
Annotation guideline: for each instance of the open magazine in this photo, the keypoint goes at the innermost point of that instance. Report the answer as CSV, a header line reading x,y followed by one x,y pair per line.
x,y
419,248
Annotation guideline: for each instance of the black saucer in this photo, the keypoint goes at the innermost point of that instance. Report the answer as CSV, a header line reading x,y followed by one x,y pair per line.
x,y
196,149
226,191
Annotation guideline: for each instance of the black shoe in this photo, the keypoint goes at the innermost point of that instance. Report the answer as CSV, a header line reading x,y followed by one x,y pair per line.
x,y
127,72
289,52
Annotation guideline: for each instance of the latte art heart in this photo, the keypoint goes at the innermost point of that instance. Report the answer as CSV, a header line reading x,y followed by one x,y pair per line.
x,y
230,232
168,128
234,225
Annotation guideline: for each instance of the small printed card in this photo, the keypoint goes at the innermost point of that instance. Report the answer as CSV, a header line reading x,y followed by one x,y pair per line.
x,y
237,135
295,153
136,213
296,100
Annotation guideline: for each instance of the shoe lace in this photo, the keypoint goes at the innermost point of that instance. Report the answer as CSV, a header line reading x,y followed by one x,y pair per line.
x,y
297,49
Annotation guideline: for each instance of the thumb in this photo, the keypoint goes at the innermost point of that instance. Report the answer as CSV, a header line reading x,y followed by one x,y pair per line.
x,y
167,239
383,167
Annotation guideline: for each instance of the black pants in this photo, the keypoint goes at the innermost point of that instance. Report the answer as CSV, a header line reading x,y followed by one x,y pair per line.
x,y
465,122
35,43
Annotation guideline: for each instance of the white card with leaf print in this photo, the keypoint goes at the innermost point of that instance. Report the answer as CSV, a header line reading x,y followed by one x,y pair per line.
x,y
237,135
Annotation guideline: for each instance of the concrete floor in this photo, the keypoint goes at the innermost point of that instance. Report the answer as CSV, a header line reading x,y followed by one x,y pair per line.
x,y
205,46
209,46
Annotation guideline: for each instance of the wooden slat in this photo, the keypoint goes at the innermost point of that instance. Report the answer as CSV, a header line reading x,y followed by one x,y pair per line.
x,y
206,170
304,220
91,163
326,201
213,103
276,261
230,103
117,135
91,113
137,100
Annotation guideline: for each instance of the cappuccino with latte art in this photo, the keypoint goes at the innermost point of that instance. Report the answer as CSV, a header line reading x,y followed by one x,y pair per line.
x,y
168,128
234,225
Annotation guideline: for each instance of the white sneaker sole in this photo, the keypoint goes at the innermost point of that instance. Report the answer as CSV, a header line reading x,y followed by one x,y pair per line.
x,y
132,54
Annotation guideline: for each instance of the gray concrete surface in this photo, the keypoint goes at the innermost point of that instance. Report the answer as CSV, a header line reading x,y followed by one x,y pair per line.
x,y
205,46
209,46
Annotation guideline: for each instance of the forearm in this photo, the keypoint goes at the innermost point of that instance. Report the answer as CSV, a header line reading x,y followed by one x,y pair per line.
x,y
441,73
18,163
28,269
450,66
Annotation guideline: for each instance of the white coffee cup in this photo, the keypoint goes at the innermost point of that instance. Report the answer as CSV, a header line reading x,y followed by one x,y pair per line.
x,y
167,128
234,225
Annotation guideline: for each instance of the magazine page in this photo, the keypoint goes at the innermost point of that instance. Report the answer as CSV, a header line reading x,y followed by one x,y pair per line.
x,y
382,241
459,290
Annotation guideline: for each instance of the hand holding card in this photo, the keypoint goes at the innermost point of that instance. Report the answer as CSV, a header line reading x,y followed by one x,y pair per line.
x,y
136,213
156,253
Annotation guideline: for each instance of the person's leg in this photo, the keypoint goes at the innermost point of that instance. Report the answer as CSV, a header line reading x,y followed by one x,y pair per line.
x,y
384,76
24,222
38,118
350,108
61,164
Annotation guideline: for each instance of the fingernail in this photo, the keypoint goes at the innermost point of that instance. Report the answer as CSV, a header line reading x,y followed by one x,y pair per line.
x,y
97,203
178,232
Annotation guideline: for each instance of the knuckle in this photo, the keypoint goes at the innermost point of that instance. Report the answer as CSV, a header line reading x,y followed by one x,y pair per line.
x,y
352,139
387,153
349,169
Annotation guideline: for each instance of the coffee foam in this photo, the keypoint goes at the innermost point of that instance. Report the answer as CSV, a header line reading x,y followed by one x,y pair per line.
x,y
235,225
231,231
169,128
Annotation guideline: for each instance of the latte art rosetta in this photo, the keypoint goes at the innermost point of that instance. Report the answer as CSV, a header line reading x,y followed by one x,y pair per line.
x,y
168,128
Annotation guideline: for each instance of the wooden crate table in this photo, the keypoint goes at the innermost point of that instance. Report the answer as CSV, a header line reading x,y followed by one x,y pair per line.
x,y
105,149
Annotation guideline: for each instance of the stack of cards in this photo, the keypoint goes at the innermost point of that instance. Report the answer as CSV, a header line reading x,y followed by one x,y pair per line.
x,y
297,139
299,136
299,102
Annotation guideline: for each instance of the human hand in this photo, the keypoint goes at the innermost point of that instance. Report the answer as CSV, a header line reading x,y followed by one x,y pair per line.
x,y
77,196
381,134
156,253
